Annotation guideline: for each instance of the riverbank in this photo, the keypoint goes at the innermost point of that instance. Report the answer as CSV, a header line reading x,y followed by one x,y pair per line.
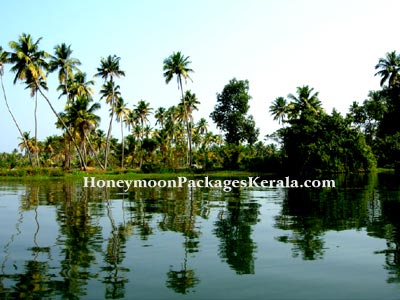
x,y
43,173
48,173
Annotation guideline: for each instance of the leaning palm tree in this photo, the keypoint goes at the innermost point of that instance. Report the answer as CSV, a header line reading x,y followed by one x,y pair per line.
x,y
65,64
109,68
4,58
178,65
30,66
121,113
278,109
389,68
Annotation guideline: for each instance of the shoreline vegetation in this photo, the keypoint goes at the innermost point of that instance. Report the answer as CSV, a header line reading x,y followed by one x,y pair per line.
x,y
309,141
53,173
43,173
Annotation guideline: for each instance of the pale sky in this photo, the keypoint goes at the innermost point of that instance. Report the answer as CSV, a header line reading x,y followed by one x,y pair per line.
x,y
331,46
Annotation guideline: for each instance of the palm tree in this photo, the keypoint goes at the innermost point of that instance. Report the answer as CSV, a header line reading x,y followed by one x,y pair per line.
x,y
31,84
131,119
177,64
202,126
389,68
110,92
30,66
142,110
78,86
137,132
4,58
109,67
27,146
305,102
99,139
189,103
278,109
147,131
65,64
82,119
159,114
121,113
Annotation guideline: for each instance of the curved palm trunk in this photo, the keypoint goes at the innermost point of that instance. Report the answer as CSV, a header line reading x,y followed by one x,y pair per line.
x,y
93,151
82,161
15,121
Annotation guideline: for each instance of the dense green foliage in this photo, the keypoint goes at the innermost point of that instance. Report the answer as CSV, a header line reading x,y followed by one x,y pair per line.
x,y
315,141
310,140
230,113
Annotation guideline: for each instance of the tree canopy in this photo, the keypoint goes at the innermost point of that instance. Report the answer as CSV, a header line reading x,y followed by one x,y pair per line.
x,y
230,113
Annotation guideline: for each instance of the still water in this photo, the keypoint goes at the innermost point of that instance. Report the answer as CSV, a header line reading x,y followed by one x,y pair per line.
x,y
59,240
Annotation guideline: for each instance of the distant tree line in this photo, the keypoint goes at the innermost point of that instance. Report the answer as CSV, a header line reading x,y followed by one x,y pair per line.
x,y
309,140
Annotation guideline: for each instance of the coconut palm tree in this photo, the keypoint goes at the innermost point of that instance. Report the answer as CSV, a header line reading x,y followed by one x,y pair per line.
x,y
189,103
65,64
278,109
99,140
82,119
4,58
31,84
142,110
121,114
27,146
77,86
202,126
110,92
30,66
305,102
389,68
109,68
159,114
131,119
178,65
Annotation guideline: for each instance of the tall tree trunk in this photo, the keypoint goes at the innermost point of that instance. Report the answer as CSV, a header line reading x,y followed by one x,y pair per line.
x,y
109,134
141,144
109,126
36,138
15,121
123,145
189,134
82,161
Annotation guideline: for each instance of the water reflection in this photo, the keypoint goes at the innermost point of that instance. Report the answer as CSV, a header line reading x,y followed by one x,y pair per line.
x,y
60,240
234,228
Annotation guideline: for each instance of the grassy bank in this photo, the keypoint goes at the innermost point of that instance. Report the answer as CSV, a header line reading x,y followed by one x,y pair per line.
x,y
43,173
